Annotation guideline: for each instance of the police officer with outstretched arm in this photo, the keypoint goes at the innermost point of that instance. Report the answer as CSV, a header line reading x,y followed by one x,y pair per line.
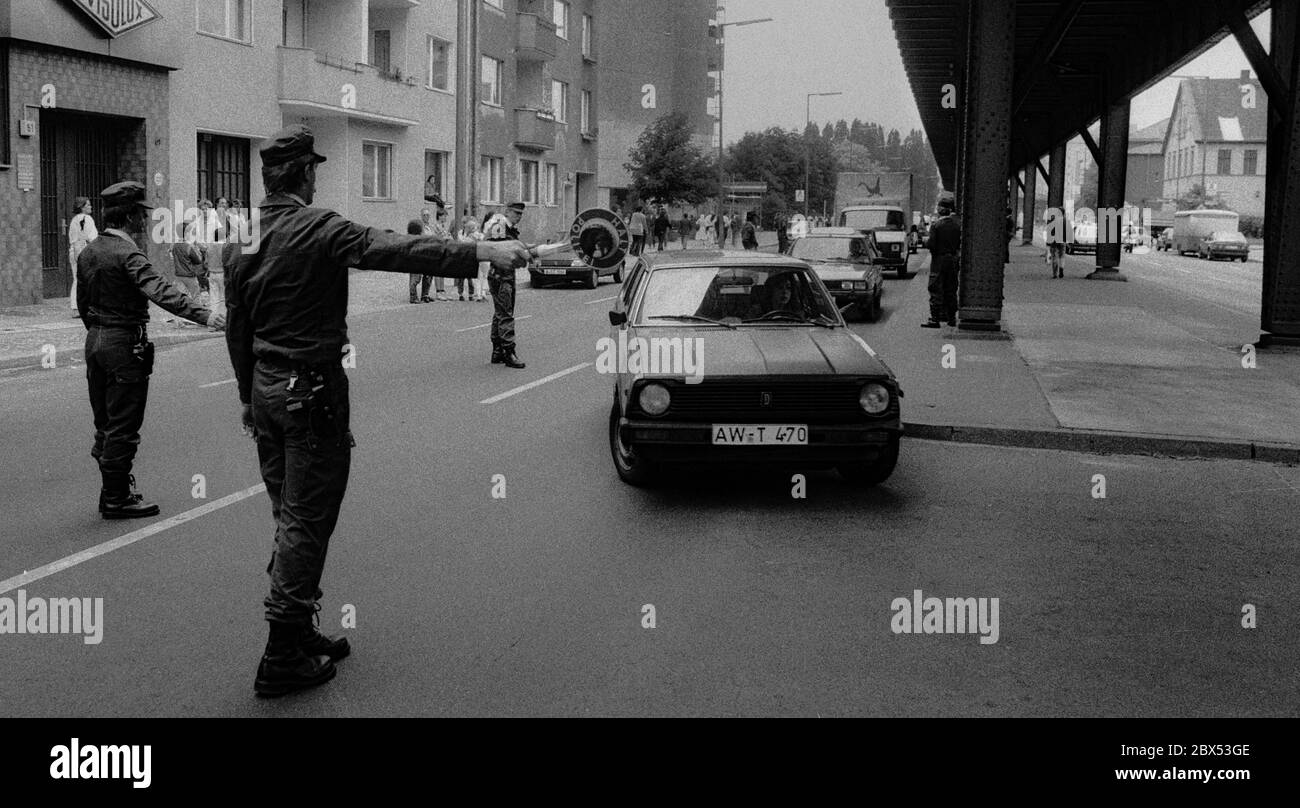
x,y
287,304
115,283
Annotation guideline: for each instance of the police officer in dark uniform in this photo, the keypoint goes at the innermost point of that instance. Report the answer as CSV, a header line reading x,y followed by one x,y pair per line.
x,y
944,245
501,283
115,283
287,304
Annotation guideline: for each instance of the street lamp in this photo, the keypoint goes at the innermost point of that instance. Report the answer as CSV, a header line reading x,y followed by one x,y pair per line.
x,y
722,57
807,147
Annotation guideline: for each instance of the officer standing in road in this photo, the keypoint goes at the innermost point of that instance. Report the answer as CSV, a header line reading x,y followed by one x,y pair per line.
x,y
944,245
501,283
287,304
115,283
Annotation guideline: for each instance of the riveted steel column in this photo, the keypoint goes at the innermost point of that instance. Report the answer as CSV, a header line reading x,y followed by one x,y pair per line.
x,y
987,139
1031,191
1280,309
1056,182
1110,191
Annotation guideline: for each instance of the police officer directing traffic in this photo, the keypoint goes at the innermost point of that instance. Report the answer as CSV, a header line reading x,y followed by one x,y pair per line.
x,y
501,283
944,245
287,305
115,283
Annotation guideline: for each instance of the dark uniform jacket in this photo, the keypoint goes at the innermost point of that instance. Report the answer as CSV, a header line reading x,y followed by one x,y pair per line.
x,y
115,283
945,236
288,300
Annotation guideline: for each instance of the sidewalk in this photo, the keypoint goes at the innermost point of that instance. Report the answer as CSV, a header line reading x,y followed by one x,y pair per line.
x,y
1092,366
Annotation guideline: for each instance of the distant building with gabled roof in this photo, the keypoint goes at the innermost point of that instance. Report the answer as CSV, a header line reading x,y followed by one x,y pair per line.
x,y
1216,138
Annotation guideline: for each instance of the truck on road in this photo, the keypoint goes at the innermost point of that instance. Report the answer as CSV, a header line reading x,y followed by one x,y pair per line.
x,y
1192,227
882,205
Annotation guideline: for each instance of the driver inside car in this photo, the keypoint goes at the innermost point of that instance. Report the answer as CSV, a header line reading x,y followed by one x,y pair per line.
x,y
781,296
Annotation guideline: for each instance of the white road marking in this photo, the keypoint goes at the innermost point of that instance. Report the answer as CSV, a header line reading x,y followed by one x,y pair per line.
x,y
217,384
485,325
123,541
602,300
538,383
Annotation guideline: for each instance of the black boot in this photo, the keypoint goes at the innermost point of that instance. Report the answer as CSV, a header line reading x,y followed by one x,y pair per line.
x,y
285,668
313,643
509,359
497,356
118,498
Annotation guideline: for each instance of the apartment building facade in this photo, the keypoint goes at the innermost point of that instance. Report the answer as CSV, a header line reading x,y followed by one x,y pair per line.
x,y
1217,138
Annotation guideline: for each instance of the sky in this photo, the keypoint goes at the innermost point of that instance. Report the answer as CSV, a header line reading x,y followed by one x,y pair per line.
x,y
848,46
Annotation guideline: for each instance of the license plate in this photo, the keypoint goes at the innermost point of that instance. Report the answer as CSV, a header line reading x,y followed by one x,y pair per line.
x,y
760,434
555,272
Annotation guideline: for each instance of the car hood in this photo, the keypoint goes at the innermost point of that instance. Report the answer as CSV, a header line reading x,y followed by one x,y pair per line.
x,y
841,272
890,236
768,350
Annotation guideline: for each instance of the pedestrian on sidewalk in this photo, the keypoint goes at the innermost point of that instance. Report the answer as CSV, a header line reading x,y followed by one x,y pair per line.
x,y
501,282
188,262
81,231
944,246
288,329
661,227
636,228
438,228
210,233
684,229
782,234
749,233
116,283
469,233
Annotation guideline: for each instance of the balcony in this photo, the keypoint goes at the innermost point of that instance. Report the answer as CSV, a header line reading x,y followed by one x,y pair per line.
x,y
537,41
534,131
315,84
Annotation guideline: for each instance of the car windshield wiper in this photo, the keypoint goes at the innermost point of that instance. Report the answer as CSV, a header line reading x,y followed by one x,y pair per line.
x,y
691,317
789,316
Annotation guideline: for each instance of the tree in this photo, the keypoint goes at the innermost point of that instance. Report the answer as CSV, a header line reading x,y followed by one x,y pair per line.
x,y
829,132
850,156
841,129
858,132
1197,198
893,149
811,130
776,157
667,164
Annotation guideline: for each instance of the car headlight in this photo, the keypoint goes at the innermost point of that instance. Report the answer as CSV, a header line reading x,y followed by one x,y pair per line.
x,y
874,398
654,399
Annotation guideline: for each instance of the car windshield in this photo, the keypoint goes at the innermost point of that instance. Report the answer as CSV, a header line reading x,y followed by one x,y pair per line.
x,y
872,219
735,296
835,248
1227,235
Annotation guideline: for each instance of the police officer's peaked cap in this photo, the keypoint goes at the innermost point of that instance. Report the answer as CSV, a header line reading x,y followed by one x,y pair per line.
x,y
123,194
946,200
288,144
519,206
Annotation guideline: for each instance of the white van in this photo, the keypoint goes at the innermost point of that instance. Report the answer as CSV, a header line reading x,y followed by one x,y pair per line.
x,y
1192,227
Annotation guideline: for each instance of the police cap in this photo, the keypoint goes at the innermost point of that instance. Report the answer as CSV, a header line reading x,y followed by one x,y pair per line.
x,y
123,194
519,206
288,144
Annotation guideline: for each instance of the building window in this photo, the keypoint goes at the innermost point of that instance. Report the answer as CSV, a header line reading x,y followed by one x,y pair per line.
x,y
381,49
560,16
492,73
551,186
560,101
223,167
230,19
376,170
587,26
585,111
490,169
435,175
1225,161
528,181
1250,166
438,61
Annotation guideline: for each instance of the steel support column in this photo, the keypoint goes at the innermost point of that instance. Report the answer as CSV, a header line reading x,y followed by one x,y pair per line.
x,y
1110,192
1031,191
992,46
1056,180
1280,304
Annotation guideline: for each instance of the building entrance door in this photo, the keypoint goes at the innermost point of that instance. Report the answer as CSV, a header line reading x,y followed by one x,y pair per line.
x,y
81,155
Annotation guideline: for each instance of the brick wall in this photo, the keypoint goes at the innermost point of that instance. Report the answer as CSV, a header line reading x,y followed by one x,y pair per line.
x,y
83,84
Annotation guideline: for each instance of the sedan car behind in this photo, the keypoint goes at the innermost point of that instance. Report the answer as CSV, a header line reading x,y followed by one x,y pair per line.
x,y
1225,244
844,259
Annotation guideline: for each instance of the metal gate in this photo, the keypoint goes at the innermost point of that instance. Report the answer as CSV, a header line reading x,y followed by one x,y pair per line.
x,y
223,168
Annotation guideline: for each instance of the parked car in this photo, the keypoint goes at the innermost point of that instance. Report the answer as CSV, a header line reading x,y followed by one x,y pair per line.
x,y
844,259
1224,244
885,225
565,267
784,382
1083,239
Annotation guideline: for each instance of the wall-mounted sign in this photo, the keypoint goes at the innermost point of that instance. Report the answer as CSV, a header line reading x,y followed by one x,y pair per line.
x,y
117,17
25,165
158,179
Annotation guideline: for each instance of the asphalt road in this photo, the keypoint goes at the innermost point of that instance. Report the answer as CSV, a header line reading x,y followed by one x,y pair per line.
x,y
533,604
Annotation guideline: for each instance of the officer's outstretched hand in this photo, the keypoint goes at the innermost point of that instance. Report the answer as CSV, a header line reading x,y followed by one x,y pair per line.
x,y
503,255
217,320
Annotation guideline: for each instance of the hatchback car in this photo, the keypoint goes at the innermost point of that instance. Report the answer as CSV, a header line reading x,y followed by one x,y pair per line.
x,y
779,379
845,261
565,267
1225,244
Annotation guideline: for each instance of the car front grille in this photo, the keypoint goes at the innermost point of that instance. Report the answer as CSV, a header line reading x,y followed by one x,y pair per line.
x,y
812,402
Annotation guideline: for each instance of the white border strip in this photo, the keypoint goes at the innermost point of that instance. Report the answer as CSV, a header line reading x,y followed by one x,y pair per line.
x,y
530,385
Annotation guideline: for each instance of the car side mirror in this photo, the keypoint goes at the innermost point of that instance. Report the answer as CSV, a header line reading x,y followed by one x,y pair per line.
x,y
617,318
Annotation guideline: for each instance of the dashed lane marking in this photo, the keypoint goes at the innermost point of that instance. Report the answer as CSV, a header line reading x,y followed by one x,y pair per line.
x,y
485,325
538,383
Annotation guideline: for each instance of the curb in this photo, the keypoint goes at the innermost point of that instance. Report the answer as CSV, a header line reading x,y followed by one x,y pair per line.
x,y
1103,442
33,362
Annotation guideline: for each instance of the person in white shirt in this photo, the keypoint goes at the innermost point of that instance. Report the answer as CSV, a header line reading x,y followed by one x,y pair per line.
x,y
81,231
